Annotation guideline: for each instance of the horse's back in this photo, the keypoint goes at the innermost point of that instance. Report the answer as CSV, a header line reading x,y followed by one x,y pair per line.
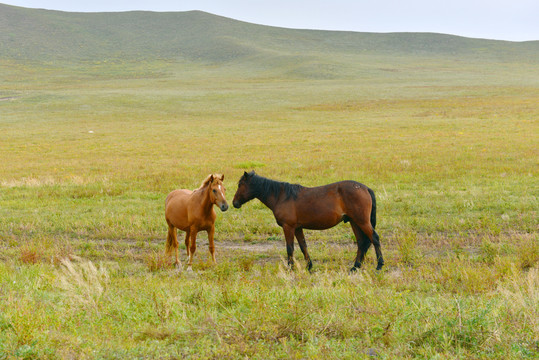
x,y
318,208
345,190
329,203
178,194
176,207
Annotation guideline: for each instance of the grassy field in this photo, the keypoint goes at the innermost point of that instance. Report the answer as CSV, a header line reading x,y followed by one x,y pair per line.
x,y
91,149
89,158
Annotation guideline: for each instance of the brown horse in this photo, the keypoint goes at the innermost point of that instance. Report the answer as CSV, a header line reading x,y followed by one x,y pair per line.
x,y
192,211
296,208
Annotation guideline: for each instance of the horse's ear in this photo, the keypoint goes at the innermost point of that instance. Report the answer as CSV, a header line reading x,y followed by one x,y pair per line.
x,y
211,178
251,174
222,177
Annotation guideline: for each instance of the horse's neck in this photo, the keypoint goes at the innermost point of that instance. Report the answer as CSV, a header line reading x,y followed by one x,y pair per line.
x,y
204,198
270,201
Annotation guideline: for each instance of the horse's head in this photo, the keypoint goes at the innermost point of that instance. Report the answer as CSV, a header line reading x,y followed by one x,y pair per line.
x,y
217,191
244,193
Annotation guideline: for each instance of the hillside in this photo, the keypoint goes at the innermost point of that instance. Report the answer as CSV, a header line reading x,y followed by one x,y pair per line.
x,y
44,35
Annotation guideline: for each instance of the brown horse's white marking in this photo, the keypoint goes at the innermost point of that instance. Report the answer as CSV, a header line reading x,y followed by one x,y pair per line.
x,y
192,211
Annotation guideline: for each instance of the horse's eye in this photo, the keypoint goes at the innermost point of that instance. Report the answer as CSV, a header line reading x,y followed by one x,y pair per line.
x,y
214,191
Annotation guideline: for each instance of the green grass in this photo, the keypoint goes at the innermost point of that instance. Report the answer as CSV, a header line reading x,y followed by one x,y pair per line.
x,y
90,151
466,309
194,36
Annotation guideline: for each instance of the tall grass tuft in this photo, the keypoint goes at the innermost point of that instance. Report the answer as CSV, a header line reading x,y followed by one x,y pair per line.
x,y
157,261
521,294
528,253
83,283
30,256
407,246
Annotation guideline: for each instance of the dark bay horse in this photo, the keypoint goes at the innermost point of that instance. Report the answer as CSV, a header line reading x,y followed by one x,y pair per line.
x,y
192,211
296,207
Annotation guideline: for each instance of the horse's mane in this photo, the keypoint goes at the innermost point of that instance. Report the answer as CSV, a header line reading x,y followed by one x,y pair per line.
x,y
207,180
264,187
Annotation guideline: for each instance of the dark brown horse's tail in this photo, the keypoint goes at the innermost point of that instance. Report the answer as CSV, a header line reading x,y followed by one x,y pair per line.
x,y
373,209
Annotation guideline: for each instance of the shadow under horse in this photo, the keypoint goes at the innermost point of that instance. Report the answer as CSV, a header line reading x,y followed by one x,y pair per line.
x,y
296,207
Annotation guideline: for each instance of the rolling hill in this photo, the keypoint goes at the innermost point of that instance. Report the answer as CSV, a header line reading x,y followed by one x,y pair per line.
x,y
44,35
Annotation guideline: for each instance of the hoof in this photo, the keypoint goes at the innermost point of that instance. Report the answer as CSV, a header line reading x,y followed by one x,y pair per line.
x,y
189,268
379,267
310,265
353,270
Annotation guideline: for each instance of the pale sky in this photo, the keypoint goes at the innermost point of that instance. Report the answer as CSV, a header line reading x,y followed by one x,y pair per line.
x,y
515,20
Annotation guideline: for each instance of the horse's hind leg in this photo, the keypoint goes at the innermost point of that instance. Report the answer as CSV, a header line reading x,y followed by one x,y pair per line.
x,y
303,247
187,235
363,244
377,247
369,232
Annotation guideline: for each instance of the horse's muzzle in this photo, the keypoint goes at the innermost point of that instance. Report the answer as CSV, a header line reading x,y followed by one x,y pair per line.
x,y
236,204
224,207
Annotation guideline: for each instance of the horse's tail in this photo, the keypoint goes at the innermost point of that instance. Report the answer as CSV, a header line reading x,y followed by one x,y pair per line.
x,y
373,208
172,241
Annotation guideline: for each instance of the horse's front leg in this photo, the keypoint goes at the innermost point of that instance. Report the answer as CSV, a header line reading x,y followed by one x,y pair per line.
x,y
289,237
211,232
303,246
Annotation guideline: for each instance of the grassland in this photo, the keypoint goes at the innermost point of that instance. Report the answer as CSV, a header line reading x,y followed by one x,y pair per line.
x,y
90,149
